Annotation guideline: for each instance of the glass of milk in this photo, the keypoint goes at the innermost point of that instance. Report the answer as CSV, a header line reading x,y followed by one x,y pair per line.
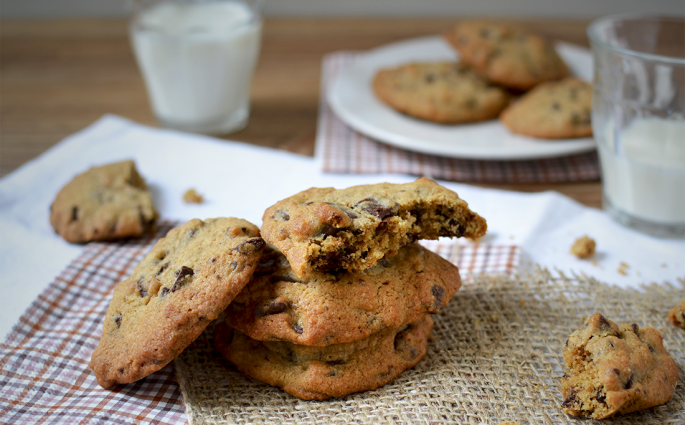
x,y
639,120
197,58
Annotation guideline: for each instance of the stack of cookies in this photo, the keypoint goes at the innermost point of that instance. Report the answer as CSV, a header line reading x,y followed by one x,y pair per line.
x,y
498,63
338,301
341,299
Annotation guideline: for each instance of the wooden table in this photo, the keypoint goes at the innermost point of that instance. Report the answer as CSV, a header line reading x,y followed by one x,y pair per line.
x,y
59,76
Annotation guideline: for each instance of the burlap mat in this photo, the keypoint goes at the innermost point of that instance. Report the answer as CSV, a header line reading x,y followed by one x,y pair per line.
x,y
495,354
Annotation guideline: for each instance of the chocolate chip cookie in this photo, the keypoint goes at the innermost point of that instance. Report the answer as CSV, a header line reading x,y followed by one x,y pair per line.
x,y
506,55
319,373
325,309
677,315
184,283
553,110
106,202
442,92
614,370
353,229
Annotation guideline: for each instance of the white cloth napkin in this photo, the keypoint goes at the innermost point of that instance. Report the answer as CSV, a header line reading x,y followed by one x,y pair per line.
x,y
241,180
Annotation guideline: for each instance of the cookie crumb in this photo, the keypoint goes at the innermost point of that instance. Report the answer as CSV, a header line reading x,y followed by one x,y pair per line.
x,y
677,315
583,247
623,268
192,197
508,423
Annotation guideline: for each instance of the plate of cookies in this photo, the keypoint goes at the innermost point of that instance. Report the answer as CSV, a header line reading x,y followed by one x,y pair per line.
x,y
480,91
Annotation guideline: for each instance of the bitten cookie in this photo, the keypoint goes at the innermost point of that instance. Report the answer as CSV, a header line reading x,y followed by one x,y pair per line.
x,y
184,283
328,309
319,373
614,370
354,228
677,315
553,110
443,92
106,202
506,55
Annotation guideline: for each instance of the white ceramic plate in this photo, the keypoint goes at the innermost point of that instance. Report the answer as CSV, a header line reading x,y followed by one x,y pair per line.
x,y
352,99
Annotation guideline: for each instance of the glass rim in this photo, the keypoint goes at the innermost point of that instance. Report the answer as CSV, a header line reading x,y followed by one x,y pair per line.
x,y
596,38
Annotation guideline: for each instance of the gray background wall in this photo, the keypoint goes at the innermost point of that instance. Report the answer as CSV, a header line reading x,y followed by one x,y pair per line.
x,y
528,8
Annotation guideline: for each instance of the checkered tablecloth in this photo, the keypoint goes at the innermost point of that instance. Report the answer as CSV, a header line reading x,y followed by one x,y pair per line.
x,y
44,374
343,150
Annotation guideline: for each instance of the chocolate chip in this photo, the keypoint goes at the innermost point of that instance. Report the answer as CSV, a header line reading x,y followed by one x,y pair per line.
x,y
74,213
600,397
281,215
273,307
438,293
635,327
298,329
604,323
335,362
250,246
429,78
399,337
581,119
629,382
121,370
570,400
617,372
117,320
651,348
141,289
165,291
331,373
181,274
373,207
384,263
611,344
567,342
327,230
164,267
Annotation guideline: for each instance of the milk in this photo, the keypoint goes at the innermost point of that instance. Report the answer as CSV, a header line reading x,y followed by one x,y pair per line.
x,y
197,60
644,172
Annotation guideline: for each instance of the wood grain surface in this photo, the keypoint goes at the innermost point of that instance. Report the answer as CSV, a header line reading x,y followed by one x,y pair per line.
x,y
59,76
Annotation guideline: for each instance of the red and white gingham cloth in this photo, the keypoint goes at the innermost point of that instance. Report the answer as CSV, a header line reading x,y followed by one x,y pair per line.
x,y
44,374
343,150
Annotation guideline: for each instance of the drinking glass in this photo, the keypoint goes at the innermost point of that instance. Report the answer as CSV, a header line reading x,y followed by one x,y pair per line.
x,y
638,120
197,59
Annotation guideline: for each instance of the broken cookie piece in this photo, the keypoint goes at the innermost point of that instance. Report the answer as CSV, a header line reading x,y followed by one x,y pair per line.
x,y
355,228
104,203
615,370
